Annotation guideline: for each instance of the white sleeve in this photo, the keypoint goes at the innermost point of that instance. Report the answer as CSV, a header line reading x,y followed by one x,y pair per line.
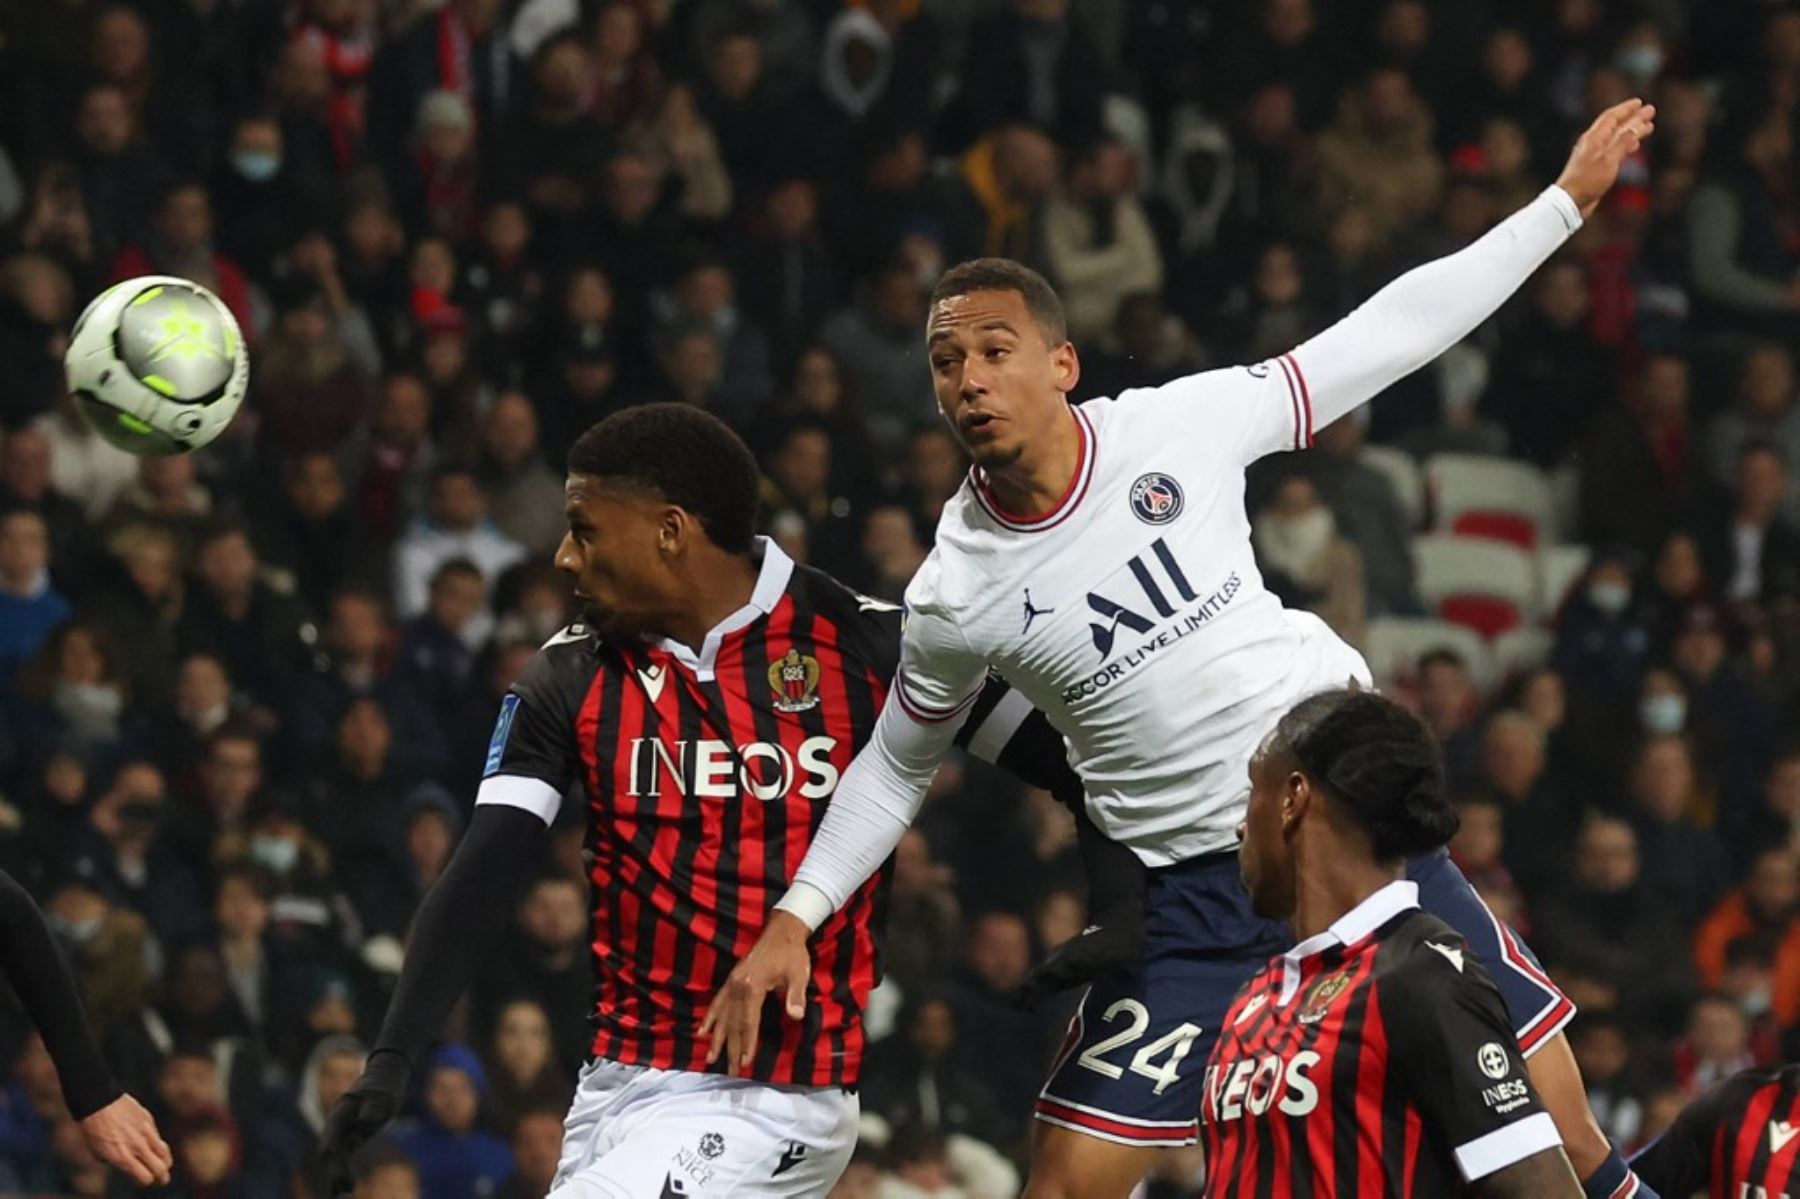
x,y
876,800
1427,310
1276,405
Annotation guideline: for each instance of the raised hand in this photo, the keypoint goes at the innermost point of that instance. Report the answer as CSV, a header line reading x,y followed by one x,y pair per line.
x,y
1594,162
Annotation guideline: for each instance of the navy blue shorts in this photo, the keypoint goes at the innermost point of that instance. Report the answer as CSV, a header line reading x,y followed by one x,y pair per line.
x,y
1131,1068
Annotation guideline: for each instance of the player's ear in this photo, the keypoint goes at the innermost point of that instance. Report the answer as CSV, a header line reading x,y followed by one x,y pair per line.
x,y
1296,799
1065,366
674,529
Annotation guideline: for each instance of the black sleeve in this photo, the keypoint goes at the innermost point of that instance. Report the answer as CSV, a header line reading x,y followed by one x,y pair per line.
x,y
1452,1046
534,733
1024,744
459,924
1679,1162
35,967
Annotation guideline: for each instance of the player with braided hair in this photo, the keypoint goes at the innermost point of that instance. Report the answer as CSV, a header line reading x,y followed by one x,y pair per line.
x,y
1377,1052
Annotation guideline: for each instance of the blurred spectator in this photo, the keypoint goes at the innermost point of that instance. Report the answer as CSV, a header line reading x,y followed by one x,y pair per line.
x,y
789,277
677,143
704,296
933,471
879,344
1551,375
917,1080
923,916
1765,414
457,527
73,695
1639,466
996,955
30,607
1602,1052
536,1148
455,1157
395,457
117,169
1306,563
259,634
1536,814
179,242
1687,861
1379,151
1479,850
1715,1046
315,367
1762,910
1040,68
1098,244
525,496
166,495
547,961
27,482
522,1068
1603,644
797,479
83,466
1366,511
1752,549
1741,264
999,190
1608,917
1449,705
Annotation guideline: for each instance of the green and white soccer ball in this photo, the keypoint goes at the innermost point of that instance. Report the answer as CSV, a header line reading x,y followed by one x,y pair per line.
x,y
157,366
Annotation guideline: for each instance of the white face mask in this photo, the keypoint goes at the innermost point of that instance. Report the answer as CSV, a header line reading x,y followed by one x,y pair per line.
x,y
1662,714
1610,598
1296,545
277,853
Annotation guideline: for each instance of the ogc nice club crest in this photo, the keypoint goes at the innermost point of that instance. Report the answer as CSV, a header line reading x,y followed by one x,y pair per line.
x,y
795,681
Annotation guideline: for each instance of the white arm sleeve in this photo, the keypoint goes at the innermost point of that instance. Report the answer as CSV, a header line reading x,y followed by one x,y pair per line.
x,y
1429,309
875,802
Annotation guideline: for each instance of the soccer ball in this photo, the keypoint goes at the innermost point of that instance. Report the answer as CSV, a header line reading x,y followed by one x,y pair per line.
x,y
157,366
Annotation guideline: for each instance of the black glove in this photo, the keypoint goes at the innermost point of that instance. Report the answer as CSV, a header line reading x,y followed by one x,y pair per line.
x,y
359,1114
1111,942
1114,937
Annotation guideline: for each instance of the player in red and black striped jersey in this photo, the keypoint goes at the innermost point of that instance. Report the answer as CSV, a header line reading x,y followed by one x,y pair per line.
x,y
1740,1140
705,709
1375,1058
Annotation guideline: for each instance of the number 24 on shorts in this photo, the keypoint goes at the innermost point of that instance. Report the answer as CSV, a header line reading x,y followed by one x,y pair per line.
x,y
1175,1044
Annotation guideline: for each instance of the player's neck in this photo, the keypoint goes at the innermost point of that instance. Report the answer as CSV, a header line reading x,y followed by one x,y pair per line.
x,y
1038,480
1333,884
718,585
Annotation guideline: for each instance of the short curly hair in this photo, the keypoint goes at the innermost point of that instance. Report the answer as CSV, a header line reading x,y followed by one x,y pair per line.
x,y
684,455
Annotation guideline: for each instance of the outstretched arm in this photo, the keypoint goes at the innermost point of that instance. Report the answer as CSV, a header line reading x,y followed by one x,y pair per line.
x,y
1430,308
118,1130
458,925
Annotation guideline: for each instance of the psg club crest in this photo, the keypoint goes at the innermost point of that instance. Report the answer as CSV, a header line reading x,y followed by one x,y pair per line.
x,y
795,681
1318,1000
1156,498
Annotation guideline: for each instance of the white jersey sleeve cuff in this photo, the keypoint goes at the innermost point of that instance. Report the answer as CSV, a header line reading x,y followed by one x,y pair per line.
x,y
1504,1146
807,903
1565,206
516,791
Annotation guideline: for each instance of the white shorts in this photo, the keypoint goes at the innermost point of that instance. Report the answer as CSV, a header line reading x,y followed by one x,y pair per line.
x,y
636,1133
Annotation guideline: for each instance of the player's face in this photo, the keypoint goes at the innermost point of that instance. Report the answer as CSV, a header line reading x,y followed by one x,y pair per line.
x,y
1265,858
1000,384
612,551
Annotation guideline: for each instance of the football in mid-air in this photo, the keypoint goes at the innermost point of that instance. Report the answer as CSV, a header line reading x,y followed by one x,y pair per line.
x,y
157,365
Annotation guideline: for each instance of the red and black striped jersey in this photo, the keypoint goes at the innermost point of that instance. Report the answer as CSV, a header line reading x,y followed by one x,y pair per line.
x,y
1372,1060
1740,1140
706,776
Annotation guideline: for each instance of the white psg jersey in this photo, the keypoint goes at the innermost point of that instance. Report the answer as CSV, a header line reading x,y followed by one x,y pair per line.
x,y
1133,614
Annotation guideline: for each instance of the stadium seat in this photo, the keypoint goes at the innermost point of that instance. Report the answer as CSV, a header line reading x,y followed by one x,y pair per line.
x,y
1395,644
1560,567
1403,472
1494,498
1522,649
1487,585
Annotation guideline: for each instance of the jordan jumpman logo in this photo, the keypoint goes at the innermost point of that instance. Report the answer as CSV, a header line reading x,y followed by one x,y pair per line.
x,y
1032,613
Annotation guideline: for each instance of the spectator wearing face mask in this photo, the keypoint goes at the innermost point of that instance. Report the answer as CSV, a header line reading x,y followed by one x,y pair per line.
x,y
1602,644
1306,563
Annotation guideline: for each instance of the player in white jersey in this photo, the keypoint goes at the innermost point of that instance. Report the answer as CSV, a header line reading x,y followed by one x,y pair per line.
x,y
1130,610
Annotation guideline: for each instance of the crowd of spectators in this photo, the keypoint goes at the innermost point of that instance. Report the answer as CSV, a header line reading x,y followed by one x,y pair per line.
x,y
245,694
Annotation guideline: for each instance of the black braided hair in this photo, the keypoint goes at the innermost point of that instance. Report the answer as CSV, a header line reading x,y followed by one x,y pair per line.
x,y
1377,762
684,455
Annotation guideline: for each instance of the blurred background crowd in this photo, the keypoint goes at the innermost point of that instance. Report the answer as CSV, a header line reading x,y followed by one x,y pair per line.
x,y
244,695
